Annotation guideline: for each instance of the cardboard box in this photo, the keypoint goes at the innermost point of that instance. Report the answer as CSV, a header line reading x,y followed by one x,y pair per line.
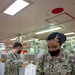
x,y
2,60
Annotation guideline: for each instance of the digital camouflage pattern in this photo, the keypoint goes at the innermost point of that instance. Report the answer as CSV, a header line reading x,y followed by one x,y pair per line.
x,y
63,65
12,64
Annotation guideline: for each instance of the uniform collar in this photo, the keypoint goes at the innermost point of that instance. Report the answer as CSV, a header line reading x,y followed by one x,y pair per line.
x,y
61,58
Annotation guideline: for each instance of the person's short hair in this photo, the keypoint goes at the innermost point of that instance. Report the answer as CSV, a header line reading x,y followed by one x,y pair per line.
x,y
17,44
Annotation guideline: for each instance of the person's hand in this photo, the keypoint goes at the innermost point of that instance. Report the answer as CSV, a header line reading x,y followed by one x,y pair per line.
x,y
22,62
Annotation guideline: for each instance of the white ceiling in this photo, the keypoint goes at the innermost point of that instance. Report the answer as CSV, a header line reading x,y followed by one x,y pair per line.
x,y
32,18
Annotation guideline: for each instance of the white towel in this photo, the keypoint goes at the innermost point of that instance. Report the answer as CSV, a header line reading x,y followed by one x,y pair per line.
x,y
2,68
30,69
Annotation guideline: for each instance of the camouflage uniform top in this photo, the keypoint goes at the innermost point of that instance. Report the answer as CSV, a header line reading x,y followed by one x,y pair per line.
x,y
63,65
12,64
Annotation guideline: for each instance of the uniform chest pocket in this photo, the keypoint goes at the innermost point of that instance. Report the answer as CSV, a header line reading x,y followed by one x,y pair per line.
x,y
65,69
64,66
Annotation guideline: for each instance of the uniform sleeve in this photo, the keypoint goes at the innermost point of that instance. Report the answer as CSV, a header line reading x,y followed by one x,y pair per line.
x,y
40,67
72,62
11,62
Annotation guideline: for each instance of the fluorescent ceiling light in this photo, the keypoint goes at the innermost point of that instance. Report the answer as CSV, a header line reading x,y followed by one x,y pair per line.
x,y
71,37
52,24
16,7
69,33
29,40
49,30
14,39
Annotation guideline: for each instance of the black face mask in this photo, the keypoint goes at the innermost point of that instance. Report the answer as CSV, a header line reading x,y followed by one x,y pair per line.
x,y
54,53
19,52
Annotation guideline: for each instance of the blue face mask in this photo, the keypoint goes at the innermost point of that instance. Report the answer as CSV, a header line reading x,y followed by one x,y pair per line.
x,y
54,53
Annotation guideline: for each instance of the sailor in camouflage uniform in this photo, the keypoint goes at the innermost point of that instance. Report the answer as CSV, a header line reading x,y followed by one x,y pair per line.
x,y
56,61
13,63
